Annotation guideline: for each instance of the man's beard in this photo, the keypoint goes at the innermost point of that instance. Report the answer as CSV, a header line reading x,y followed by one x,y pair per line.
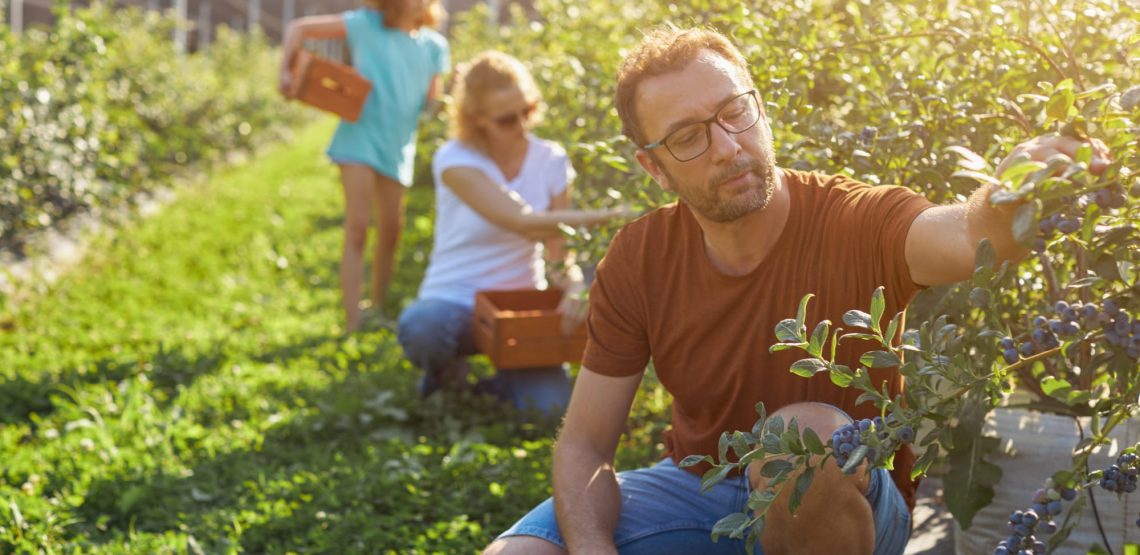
x,y
706,201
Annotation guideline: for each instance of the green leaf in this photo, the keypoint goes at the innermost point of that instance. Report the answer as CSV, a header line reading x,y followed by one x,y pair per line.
x,y
1055,387
791,442
857,318
808,367
740,444
775,425
1060,103
693,460
815,348
803,482
760,499
979,297
879,359
985,256
813,443
1015,173
923,463
855,459
714,476
775,467
1025,223
801,313
722,448
878,304
752,456
892,329
841,375
968,159
982,178
732,526
788,331
785,346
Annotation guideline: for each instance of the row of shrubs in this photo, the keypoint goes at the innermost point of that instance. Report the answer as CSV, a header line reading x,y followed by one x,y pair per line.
x,y
101,107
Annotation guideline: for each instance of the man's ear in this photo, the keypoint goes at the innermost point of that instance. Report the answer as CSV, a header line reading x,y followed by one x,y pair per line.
x,y
650,165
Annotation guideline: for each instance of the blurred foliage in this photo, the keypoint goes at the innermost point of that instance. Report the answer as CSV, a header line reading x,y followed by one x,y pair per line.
x,y
101,106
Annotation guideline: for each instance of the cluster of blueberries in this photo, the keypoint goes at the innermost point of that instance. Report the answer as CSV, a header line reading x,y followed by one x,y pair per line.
x,y
1119,329
1109,198
845,440
1038,517
1121,477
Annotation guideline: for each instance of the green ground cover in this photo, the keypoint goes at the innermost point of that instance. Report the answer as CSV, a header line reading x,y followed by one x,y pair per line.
x,y
186,389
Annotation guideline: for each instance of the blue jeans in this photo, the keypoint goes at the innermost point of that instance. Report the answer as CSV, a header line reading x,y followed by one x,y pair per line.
x,y
664,512
436,338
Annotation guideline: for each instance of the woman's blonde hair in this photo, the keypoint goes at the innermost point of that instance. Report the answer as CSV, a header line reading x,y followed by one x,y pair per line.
x,y
433,15
488,73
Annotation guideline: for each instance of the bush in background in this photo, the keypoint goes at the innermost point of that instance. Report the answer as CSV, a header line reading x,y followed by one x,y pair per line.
x,y
102,107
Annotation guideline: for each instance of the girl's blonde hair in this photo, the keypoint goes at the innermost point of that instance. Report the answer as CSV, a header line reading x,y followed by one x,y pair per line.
x,y
433,15
488,73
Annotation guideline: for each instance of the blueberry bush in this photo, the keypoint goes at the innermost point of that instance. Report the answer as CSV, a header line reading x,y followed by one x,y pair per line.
x,y
100,107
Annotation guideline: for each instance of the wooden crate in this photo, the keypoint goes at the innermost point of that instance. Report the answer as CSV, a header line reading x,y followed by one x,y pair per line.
x,y
329,86
522,329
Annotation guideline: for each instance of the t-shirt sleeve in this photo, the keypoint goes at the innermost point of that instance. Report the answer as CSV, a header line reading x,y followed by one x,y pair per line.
x,y
888,212
617,342
357,23
452,155
561,173
441,56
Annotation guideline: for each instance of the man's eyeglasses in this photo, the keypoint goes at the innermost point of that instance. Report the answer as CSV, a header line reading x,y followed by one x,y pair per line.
x,y
512,119
739,114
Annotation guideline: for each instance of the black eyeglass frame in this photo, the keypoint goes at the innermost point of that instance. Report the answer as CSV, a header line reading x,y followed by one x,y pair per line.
x,y
715,118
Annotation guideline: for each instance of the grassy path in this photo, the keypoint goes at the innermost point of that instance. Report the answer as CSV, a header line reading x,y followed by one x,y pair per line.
x,y
186,390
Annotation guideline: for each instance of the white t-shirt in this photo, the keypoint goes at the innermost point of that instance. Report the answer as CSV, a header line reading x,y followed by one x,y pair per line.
x,y
472,254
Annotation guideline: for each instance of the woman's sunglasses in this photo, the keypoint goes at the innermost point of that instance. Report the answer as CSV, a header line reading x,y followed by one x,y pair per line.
x,y
512,119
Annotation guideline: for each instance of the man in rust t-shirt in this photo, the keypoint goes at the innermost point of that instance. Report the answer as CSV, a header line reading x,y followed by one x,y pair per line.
x,y
697,289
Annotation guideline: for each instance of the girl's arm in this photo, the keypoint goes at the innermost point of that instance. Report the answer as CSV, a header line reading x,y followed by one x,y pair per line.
x,y
313,27
506,210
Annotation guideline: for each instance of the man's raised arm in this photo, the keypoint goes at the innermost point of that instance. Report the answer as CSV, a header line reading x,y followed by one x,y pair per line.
x,y
941,243
586,495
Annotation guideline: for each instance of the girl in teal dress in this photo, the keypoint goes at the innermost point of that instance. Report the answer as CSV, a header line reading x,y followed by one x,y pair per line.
x,y
393,46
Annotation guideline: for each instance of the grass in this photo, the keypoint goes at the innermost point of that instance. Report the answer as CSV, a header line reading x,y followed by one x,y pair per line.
x,y
186,389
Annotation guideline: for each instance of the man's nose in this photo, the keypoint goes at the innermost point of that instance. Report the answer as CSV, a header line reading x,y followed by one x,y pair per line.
x,y
723,145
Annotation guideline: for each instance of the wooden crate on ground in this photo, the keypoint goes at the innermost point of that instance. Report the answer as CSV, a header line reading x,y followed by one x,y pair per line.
x,y
522,329
328,85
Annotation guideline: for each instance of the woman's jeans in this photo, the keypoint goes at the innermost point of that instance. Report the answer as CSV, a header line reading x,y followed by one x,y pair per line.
x,y
436,337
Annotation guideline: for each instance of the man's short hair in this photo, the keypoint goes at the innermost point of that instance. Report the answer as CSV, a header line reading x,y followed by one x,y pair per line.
x,y
664,50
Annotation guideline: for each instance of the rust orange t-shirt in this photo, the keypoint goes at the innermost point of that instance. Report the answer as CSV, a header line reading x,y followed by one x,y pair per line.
x,y
657,296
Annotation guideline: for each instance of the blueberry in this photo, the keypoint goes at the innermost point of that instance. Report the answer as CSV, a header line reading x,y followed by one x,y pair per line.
x,y
1068,494
1048,527
1007,343
1010,356
1027,349
1068,226
1070,314
906,434
1088,311
1060,307
1054,507
1040,322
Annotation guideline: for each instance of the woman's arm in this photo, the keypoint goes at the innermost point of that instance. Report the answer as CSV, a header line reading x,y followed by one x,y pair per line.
x,y
573,306
313,27
506,210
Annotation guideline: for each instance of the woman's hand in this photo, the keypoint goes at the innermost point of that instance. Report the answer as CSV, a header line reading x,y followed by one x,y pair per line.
x,y
574,308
